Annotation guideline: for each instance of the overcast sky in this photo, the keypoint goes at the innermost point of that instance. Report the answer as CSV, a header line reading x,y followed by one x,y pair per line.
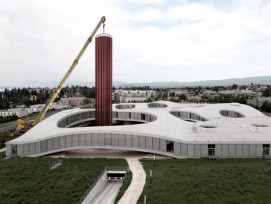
x,y
153,40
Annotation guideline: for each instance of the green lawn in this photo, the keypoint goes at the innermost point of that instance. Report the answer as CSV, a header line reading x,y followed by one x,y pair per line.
x,y
125,185
2,155
29,180
4,137
208,181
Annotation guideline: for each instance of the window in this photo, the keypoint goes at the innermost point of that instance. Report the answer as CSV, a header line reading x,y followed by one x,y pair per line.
x,y
211,150
266,148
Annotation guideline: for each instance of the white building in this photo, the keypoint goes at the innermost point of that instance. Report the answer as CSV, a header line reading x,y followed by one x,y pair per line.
x,y
258,101
176,130
38,108
73,101
20,112
126,96
59,106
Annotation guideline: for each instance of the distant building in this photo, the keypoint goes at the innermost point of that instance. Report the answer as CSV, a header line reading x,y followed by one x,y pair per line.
x,y
209,94
33,98
21,106
72,101
126,96
59,106
192,98
258,101
37,108
20,112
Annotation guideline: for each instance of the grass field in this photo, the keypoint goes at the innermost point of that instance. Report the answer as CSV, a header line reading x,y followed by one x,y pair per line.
x,y
2,155
4,137
208,181
29,180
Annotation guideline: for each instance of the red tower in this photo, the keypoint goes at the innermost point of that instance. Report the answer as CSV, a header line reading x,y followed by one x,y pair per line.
x,y
103,79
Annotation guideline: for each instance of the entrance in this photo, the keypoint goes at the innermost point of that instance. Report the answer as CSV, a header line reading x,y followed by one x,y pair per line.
x,y
13,150
211,150
170,146
266,148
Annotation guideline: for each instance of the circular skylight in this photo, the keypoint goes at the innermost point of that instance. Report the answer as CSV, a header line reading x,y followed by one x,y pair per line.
x,y
188,116
260,125
198,106
157,105
235,104
231,114
125,106
208,126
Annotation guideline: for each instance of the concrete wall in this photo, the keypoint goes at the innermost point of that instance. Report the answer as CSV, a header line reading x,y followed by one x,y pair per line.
x,y
133,142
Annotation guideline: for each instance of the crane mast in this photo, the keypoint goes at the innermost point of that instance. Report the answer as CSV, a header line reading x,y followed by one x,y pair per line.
x,y
41,115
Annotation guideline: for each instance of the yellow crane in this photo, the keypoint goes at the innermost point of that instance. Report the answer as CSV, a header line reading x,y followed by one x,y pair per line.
x,y
22,124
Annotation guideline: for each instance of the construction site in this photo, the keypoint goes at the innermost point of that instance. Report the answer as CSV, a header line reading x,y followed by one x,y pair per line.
x,y
149,130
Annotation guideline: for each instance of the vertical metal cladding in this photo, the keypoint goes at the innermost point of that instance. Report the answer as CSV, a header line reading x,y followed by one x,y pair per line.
x,y
103,79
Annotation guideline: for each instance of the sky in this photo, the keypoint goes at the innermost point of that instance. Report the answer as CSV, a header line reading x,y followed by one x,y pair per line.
x,y
153,40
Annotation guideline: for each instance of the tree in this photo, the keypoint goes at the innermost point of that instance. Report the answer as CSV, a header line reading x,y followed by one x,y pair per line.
x,y
266,106
234,86
182,97
267,92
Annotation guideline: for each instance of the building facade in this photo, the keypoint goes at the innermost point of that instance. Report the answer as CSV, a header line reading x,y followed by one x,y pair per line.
x,y
176,130
73,101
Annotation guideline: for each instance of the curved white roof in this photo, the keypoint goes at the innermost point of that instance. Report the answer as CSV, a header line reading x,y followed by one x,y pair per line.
x,y
168,126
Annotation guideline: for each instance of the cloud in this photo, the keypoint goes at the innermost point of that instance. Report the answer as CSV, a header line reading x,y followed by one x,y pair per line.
x,y
153,40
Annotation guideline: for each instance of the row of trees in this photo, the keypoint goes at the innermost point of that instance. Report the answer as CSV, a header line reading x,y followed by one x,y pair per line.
x,y
8,118
77,91
25,96
11,98
228,98
267,92
266,107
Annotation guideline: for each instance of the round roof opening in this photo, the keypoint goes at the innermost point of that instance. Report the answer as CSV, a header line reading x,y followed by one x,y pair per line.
x,y
198,106
260,125
208,126
235,104
157,105
231,114
188,116
125,106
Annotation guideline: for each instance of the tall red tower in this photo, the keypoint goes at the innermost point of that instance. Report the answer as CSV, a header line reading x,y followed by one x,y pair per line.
x,y
103,79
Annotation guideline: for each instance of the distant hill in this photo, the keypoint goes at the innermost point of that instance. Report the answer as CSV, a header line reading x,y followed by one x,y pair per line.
x,y
224,82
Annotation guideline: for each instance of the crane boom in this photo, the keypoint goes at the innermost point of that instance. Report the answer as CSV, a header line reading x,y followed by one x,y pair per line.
x,y
75,62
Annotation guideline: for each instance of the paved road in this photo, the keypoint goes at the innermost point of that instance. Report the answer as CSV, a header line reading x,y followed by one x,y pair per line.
x,y
3,150
135,189
133,192
108,194
7,126
12,125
